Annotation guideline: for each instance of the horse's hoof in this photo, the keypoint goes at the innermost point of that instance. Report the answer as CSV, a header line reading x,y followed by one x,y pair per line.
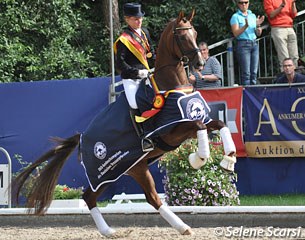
x,y
109,233
228,163
195,161
188,232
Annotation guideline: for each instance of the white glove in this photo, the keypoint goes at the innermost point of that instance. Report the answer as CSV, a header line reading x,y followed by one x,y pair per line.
x,y
143,73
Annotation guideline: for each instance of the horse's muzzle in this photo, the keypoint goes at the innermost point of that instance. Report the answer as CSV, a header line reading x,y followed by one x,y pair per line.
x,y
199,63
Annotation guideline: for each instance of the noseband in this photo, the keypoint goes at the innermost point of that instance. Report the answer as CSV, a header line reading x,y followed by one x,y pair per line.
x,y
184,57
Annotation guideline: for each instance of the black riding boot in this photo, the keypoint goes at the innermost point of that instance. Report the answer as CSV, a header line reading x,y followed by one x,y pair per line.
x,y
146,143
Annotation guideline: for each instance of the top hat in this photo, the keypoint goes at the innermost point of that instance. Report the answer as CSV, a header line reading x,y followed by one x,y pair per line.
x,y
133,10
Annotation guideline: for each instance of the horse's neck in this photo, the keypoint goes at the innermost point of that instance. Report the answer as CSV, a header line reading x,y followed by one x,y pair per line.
x,y
169,77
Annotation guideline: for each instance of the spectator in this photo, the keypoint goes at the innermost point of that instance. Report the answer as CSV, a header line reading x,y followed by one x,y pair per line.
x,y
210,75
245,28
280,14
290,75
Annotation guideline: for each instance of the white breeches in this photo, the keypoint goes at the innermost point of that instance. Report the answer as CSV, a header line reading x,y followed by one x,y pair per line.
x,y
131,86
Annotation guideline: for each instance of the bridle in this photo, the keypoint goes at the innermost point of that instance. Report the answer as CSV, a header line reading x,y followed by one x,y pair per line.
x,y
160,96
184,58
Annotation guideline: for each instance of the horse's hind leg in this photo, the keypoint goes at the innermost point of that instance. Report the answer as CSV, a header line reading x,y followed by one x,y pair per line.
x,y
142,175
90,198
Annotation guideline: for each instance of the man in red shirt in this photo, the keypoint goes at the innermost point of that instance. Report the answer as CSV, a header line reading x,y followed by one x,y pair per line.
x,y
280,14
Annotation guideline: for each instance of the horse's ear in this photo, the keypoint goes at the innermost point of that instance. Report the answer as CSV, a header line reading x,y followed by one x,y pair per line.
x,y
190,18
181,15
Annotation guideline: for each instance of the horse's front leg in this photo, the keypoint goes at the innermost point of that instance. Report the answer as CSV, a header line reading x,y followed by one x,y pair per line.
x,y
142,175
229,159
188,130
199,158
90,198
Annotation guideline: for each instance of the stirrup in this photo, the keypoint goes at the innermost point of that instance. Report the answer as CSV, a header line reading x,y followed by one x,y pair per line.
x,y
147,145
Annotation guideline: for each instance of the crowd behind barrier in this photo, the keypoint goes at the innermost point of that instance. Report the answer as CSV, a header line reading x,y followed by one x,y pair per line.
x,y
32,112
268,68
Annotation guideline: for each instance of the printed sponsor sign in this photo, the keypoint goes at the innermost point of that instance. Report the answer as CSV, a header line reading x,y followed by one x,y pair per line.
x,y
226,105
275,121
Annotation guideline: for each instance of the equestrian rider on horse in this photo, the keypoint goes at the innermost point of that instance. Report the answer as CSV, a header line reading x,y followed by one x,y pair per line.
x,y
134,58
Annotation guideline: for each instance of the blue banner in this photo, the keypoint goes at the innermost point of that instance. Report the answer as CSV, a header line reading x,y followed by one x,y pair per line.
x,y
275,121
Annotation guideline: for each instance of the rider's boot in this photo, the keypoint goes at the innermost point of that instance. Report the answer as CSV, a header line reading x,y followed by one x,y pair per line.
x,y
146,143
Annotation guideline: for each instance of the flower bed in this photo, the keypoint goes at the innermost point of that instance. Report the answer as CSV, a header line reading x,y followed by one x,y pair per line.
x,y
208,186
67,197
65,192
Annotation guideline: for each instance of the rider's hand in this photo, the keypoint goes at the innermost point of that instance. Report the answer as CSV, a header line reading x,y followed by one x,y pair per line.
x,y
143,73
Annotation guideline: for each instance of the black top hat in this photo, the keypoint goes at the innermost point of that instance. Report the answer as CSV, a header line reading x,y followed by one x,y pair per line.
x,y
133,10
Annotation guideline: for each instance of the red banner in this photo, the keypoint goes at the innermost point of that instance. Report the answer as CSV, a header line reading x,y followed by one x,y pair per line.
x,y
226,105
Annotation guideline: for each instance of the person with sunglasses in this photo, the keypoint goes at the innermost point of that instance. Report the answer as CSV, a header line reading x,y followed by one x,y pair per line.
x,y
280,15
245,27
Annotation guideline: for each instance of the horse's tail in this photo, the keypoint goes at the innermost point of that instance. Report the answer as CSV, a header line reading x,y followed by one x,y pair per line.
x,y
42,189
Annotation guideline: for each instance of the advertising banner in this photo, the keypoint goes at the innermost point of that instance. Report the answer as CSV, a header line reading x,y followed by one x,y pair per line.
x,y
226,105
275,121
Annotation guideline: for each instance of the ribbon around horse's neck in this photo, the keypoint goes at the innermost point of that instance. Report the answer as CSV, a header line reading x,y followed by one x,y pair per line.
x,y
159,99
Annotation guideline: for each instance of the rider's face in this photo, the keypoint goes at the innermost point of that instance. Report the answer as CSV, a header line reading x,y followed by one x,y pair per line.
x,y
134,22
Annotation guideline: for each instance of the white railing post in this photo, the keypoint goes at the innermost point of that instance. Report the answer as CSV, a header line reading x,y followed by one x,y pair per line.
x,y
112,95
6,183
230,63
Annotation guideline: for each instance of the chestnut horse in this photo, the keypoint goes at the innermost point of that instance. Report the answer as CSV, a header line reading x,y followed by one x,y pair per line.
x,y
177,47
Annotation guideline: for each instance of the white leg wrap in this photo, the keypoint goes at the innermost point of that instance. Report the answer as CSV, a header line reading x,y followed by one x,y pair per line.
x,y
227,140
100,223
198,159
173,219
228,162
203,144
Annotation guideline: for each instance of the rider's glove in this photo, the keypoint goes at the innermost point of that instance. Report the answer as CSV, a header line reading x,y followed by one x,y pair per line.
x,y
143,73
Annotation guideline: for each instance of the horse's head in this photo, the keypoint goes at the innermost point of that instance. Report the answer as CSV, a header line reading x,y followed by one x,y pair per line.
x,y
177,48
185,37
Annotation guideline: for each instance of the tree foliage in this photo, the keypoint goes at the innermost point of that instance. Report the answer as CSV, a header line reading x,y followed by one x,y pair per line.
x,y
50,39
64,39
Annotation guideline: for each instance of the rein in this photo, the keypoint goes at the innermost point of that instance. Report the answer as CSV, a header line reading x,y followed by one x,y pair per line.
x,y
160,97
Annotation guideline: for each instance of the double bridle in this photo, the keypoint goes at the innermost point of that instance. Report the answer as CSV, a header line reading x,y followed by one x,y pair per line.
x,y
184,58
